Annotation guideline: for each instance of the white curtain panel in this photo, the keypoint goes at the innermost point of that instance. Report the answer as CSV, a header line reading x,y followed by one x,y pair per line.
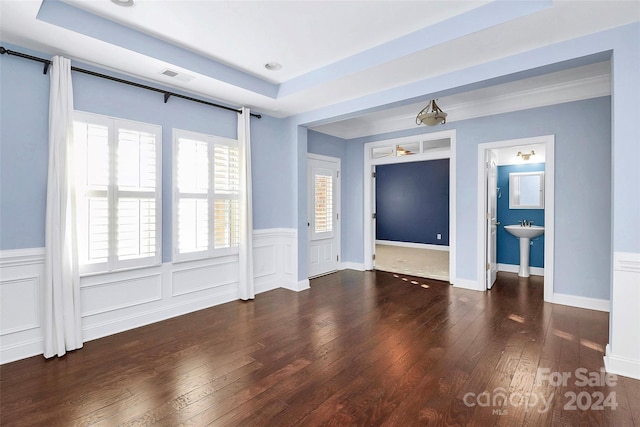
x,y
61,299
246,281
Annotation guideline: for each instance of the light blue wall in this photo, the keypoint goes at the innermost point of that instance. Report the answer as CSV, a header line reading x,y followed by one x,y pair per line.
x,y
625,63
354,215
327,145
582,261
352,200
582,188
24,110
24,152
621,45
273,169
102,96
301,150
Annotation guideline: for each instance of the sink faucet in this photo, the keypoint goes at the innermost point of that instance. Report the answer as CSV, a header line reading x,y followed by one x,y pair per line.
x,y
525,223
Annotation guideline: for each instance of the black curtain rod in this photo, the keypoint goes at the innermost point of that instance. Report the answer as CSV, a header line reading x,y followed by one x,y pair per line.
x,y
167,94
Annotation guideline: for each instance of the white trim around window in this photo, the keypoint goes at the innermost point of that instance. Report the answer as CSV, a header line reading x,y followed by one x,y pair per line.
x,y
118,175
205,189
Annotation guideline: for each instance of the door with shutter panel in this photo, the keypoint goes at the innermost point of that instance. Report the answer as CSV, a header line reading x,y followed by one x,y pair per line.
x,y
324,216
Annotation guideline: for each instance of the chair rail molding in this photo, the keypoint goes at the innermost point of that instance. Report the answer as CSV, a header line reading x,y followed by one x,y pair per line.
x,y
123,300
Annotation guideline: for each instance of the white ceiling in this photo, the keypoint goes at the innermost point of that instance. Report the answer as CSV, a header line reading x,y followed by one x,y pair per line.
x,y
301,35
331,51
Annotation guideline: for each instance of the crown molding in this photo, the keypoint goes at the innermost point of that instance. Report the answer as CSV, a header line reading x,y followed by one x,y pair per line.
x,y
576,90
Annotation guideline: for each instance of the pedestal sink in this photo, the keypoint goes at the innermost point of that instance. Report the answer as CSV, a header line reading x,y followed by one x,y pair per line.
x,y
525,234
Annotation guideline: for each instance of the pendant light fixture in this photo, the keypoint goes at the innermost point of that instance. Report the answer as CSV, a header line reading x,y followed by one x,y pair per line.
x,y
431,115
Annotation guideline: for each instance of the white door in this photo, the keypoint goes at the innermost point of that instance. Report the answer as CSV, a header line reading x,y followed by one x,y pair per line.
x,y
491,216
374,220
324,217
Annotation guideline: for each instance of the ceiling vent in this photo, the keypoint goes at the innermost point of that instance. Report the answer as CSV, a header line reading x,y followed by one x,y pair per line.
x,y
176,75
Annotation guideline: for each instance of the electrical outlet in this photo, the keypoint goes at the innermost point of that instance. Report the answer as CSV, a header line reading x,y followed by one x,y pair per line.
x,y
439,236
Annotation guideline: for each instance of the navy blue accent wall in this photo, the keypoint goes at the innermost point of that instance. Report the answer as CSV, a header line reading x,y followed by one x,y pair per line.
x,y
508,246
412,202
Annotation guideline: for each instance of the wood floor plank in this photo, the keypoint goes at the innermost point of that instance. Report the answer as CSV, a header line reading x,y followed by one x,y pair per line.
x,y
358,348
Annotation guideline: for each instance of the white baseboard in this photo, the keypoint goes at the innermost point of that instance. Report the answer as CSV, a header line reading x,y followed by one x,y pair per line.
x,y
358,266
512,268
22,350
267,286
473,285
296,286
413,245
621,366
581,302
125,323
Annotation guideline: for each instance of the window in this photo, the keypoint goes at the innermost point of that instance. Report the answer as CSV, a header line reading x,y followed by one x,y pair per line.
x,y
206,181
323,213
118,184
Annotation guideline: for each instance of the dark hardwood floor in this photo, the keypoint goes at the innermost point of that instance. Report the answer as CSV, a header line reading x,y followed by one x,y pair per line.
x,y
356,349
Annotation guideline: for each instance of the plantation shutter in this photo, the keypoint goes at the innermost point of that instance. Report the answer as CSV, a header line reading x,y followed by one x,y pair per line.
x,y
136,194
118,192
192,187
226,191
92,172
323,203
206,191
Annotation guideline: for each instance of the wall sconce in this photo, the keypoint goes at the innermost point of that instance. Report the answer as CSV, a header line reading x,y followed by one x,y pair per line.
x,y
526,156
431,115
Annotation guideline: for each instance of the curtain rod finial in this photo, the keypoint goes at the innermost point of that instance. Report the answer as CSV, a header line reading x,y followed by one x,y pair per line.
x,y
3,50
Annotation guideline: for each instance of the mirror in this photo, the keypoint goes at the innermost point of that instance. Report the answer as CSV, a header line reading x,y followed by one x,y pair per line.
x,y
526,190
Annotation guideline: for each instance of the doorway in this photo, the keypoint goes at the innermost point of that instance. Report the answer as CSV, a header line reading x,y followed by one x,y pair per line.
x,y
489,221
412,218
433,146
323,188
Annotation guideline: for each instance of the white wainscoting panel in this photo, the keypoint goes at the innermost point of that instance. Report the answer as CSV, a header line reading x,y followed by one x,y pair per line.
x,y
25,314
268,253
21,275
622,355
290,258
187,279
115,295
116,302
275,261
265,260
